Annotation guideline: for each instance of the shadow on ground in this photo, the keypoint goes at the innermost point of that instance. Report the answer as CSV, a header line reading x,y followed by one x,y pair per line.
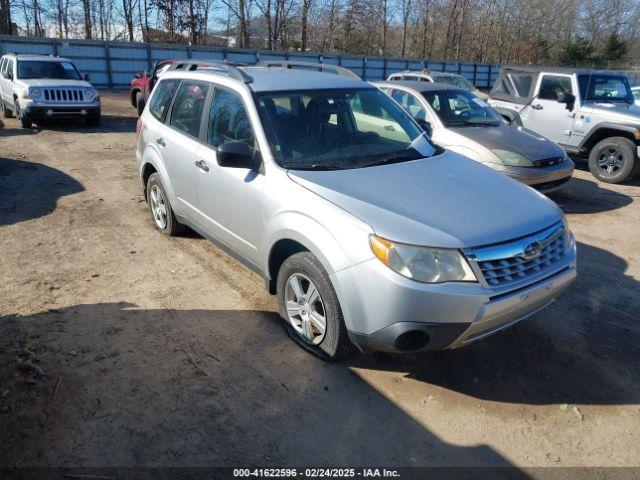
x,y
578,350
108,124
128,386
587,196
31,190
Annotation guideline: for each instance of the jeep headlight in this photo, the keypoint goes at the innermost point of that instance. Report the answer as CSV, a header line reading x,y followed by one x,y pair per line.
x,y
512,159
423,264
35,93
90,94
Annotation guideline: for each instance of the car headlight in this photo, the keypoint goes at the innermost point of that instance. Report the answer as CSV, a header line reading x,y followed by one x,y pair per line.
x,y
423,264
35,93
512,159
90,94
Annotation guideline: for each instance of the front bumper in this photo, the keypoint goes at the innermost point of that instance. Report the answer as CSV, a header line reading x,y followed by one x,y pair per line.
x,y
380,306
544,179
45,111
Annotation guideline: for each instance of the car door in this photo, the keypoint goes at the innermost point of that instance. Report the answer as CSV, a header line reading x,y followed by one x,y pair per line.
x,y
229,198
546,115
180,140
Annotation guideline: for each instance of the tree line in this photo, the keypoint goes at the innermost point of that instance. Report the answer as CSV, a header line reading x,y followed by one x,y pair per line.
x,y
566,32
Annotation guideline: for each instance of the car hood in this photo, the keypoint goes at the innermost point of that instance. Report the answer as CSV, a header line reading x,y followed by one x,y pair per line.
x,y
509,137
620,112
45,82
444,201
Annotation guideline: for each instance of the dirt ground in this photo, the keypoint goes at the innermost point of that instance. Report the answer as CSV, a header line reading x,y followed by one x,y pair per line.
x,y
119,346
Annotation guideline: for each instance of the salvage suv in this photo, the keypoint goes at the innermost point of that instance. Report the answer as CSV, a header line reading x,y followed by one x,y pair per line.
x,y
41,87
368,234
589,113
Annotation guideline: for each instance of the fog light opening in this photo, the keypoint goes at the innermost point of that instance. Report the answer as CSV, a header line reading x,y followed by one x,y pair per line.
x,y
412,340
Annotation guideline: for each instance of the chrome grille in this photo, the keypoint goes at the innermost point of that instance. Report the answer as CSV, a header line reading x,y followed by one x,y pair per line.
x,y
513,262
63,95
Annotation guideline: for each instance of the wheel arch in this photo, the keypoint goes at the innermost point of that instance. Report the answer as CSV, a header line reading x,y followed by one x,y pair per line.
x,y
151,163
604,131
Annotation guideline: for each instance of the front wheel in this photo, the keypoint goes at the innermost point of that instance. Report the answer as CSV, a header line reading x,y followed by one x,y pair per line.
x,y
309,305
614,160
6,112
23,117
139,103
93,120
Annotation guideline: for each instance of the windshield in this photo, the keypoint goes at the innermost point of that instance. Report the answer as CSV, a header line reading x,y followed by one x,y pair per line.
x,y
457,108
456,81
339,129
32,69
606,88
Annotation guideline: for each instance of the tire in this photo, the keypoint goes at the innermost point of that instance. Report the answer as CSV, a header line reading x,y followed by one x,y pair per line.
x,y
140,103
93,120
6,112
155,191
617,154
24,120
334,344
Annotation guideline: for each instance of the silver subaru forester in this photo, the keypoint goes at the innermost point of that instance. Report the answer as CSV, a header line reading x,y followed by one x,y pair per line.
x,y
369,234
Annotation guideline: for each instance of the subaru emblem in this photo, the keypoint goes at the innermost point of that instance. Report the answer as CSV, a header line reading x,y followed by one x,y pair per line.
x,y
532,250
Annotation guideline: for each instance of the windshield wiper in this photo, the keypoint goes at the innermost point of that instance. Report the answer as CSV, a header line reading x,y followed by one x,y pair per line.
x,y
395,158
313,166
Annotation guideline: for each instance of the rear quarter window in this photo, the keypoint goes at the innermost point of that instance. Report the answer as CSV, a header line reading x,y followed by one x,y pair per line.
x,y
161,97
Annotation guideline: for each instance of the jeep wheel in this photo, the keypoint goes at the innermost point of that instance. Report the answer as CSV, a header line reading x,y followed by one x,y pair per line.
x,y
93,120
160,208
6,112
614,160
309,305
23,118
139,103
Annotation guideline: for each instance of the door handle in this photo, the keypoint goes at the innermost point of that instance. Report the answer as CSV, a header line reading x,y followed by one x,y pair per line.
x,y
537,106
160,141
202,165
390,128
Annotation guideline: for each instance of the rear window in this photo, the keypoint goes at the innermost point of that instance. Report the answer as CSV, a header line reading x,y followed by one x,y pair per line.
x,y
522,83
161,98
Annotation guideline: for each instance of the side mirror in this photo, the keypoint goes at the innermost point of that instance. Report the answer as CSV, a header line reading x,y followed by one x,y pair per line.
x,y
567,98
145,73
87,77
426,126
236,155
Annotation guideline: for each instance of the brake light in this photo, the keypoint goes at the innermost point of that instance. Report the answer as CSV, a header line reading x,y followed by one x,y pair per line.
x,y
138,127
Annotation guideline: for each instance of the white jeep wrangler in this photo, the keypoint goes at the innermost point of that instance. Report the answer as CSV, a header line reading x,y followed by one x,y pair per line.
x,y
40,87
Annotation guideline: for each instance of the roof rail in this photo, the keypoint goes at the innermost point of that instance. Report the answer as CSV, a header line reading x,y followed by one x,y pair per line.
x,y
221,67
320,66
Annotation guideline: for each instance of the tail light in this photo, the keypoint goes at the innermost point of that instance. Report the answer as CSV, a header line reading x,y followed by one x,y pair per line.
x,y
138,127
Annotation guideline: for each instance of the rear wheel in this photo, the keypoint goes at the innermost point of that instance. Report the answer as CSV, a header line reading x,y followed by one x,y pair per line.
x,y
139,103
163,217
309,305
614,160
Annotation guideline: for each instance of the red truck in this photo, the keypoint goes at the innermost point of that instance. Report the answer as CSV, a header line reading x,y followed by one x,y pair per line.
x,y
144,82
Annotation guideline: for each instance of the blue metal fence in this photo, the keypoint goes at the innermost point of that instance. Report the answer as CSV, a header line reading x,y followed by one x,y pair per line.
x,y
112,64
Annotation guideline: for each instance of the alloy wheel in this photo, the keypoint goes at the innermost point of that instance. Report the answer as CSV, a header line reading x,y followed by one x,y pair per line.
x,y
305,308
158,207
610,161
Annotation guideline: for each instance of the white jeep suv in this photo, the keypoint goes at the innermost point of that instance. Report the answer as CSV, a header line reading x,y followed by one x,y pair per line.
x,y
40,87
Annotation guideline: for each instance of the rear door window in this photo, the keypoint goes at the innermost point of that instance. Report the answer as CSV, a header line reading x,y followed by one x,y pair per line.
x,y
186,113
161,98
